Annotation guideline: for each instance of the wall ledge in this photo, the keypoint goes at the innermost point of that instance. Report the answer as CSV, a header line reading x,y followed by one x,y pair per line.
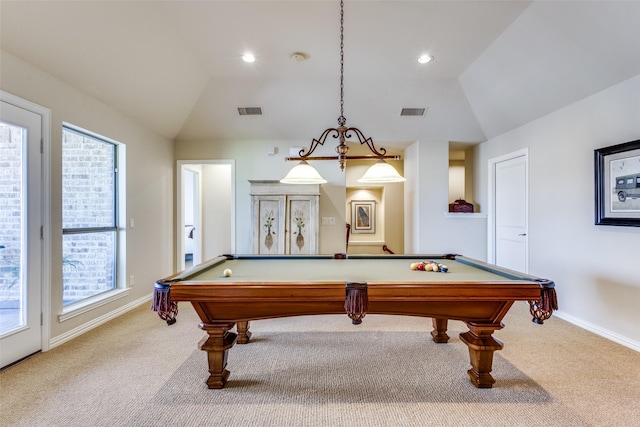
x,y
89,304
459,215
366,243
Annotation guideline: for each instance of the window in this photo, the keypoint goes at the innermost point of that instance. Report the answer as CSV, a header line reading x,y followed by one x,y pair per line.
x,y
89,215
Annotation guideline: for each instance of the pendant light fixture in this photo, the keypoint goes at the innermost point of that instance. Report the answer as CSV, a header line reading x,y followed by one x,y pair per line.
x,y
303,173
380,172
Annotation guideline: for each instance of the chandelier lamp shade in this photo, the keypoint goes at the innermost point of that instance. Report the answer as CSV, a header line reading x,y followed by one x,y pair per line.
x,y
303,173
380,172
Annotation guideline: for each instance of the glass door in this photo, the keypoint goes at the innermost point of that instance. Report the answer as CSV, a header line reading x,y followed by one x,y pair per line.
x,y
20,233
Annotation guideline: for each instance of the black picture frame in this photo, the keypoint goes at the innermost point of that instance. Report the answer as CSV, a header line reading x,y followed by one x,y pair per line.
x,y
617,184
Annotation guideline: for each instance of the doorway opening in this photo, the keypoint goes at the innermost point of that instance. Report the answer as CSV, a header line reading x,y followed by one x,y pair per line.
x,y
205,210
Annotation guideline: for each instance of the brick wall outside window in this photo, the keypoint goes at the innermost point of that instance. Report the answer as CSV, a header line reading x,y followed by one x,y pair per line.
x,y
88,201
11,140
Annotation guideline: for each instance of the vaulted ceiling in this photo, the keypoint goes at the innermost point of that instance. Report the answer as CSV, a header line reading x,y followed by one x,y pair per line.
x,y
176,67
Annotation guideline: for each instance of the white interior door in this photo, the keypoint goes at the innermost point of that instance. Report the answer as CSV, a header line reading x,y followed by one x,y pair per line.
x,y
510,213
20,234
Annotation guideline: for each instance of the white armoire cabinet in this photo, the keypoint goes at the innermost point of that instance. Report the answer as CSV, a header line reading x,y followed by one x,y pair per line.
x,y
284,218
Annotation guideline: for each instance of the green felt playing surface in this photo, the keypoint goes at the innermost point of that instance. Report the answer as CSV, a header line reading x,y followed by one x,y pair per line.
x,y
326,269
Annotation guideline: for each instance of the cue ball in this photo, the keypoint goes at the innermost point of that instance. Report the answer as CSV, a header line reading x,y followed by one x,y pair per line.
x,y
227,272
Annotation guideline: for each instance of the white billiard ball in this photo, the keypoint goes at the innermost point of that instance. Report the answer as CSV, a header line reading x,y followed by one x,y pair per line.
x,y
227,272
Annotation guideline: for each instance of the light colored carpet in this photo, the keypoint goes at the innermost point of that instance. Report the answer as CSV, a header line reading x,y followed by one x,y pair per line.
x,y
323,371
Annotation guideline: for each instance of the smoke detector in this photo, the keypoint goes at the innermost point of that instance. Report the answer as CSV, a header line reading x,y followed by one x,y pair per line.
x,y
299,56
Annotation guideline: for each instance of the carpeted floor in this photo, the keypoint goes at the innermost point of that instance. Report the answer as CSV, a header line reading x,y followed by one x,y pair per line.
x,y
324,371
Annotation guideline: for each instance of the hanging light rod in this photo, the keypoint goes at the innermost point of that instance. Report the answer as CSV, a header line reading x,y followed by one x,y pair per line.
x,y
365,157
342,132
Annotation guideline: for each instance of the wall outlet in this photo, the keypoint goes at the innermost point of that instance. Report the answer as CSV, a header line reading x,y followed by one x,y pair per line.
x,y
132,280
294,151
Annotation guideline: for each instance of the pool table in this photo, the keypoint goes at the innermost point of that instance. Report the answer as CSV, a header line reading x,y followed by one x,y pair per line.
x,y
262,287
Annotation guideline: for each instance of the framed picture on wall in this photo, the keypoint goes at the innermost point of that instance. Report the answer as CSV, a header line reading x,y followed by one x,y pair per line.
x,y
363,216
617,184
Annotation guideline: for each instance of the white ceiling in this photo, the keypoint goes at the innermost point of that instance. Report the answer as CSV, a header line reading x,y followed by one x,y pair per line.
x,y
175,66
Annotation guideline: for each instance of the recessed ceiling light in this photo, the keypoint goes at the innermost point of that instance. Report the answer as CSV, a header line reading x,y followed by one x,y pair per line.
x,y
425,58
247,57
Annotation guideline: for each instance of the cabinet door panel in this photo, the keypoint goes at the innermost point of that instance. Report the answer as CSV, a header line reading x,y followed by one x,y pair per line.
x,y
269,225
300,226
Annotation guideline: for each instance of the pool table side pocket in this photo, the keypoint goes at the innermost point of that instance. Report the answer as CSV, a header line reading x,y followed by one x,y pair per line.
x,y
356,303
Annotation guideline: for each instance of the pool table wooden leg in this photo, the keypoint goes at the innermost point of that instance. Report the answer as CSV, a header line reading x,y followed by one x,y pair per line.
x,y
481,347
217,344
439,332
244,334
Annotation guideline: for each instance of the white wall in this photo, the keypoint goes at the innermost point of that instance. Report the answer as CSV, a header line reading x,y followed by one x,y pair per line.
x,y
149,198
456,180
189,186
436,232
411,199
216,216
595,268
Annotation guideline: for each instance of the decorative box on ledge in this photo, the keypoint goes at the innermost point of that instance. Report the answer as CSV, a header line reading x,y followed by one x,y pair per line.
x,y
461,206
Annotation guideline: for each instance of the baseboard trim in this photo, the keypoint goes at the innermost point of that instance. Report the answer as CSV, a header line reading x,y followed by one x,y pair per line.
x,y
76,332
605,333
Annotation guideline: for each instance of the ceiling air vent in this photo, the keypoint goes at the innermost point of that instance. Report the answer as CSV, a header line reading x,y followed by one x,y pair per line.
x,y
413,112
250,111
